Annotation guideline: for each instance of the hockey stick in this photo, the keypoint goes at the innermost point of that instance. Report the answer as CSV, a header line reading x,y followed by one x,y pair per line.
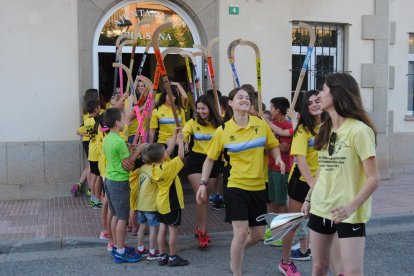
x,y
305,62
230,56
258,71
117,56
211,72
188,55
131,86
141,66
161,65
140,132
121,78
135,39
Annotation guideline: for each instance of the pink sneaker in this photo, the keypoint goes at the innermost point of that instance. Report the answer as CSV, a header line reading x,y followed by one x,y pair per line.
x,y
288,269
104,236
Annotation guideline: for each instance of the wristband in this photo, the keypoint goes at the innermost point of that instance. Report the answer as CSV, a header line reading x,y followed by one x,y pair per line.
x,y
203,183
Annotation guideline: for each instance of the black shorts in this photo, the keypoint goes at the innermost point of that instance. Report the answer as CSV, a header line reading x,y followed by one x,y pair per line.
x,y
328,227
172,218
94,168
195,163
85,145
245,205
297,189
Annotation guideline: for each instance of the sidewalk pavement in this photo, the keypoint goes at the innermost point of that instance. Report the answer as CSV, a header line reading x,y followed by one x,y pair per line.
x,y
69,221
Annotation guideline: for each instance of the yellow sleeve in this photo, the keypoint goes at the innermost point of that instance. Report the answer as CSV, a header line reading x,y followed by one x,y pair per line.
x,y
215,146
173,167
154,119
182,114
188,130
300,142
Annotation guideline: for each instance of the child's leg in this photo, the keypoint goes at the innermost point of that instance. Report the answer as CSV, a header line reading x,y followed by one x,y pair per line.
x,y
120,233
104,214
172,240
98,187
152,237
114,222
84,175
161,238
133,221
93,180
141,229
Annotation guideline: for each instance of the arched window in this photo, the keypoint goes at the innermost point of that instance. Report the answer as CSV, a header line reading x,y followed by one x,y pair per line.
x,y
124,18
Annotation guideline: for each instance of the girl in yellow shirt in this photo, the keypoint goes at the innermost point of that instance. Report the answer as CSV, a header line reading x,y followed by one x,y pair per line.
x,y
340,201
197,133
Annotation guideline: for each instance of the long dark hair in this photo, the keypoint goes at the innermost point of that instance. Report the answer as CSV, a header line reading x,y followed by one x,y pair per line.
x,y
213,116
232,94
347,102
90,94
307,121
176,94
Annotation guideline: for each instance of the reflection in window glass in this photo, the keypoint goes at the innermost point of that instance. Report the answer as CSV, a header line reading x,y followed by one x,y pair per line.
x,y
127,18
411,44
410,105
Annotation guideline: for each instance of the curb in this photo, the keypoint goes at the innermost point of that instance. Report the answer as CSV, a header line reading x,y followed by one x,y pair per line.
x,y
48,244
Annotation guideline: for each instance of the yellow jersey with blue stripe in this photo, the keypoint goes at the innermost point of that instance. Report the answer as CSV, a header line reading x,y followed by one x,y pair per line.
x,y
303,144
163,120
199,134
244,151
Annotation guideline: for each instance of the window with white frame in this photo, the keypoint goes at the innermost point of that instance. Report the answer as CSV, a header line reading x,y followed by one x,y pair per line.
x,y
410,100
327,56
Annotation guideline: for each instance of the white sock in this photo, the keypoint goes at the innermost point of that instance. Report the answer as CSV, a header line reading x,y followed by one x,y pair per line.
x,y
152,251
141,248
120,250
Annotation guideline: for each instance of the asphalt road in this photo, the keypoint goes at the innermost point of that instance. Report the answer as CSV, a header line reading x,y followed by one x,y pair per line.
x,y
389,251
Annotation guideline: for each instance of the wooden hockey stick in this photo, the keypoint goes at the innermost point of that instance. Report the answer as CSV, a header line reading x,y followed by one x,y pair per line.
x,y
162,69
117,57
305,62
230,56
121,78
211,72
134,45
188,55
258,71
128,108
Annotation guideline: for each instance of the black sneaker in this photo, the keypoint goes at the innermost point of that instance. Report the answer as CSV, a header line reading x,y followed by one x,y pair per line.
x,y
219,205
177,261
163,260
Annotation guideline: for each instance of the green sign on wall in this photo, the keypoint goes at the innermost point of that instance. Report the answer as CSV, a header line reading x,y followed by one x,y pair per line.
x,y
234,10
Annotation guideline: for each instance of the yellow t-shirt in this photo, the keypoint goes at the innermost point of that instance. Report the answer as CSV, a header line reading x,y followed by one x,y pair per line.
x,y
200,135
303,144
245,151
162,118
101,159
342,175
82,128
93,142
148,190
134,185
170,192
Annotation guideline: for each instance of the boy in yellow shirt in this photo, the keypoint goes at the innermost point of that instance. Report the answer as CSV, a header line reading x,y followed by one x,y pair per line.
x,y
170,199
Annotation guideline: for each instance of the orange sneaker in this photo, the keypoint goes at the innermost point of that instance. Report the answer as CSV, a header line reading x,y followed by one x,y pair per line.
x,y
203,240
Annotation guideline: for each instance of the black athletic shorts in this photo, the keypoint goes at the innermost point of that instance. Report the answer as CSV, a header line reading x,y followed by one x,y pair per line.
x,y
328,227
85,145
172,218
245,205
297,189
195,163
94,168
